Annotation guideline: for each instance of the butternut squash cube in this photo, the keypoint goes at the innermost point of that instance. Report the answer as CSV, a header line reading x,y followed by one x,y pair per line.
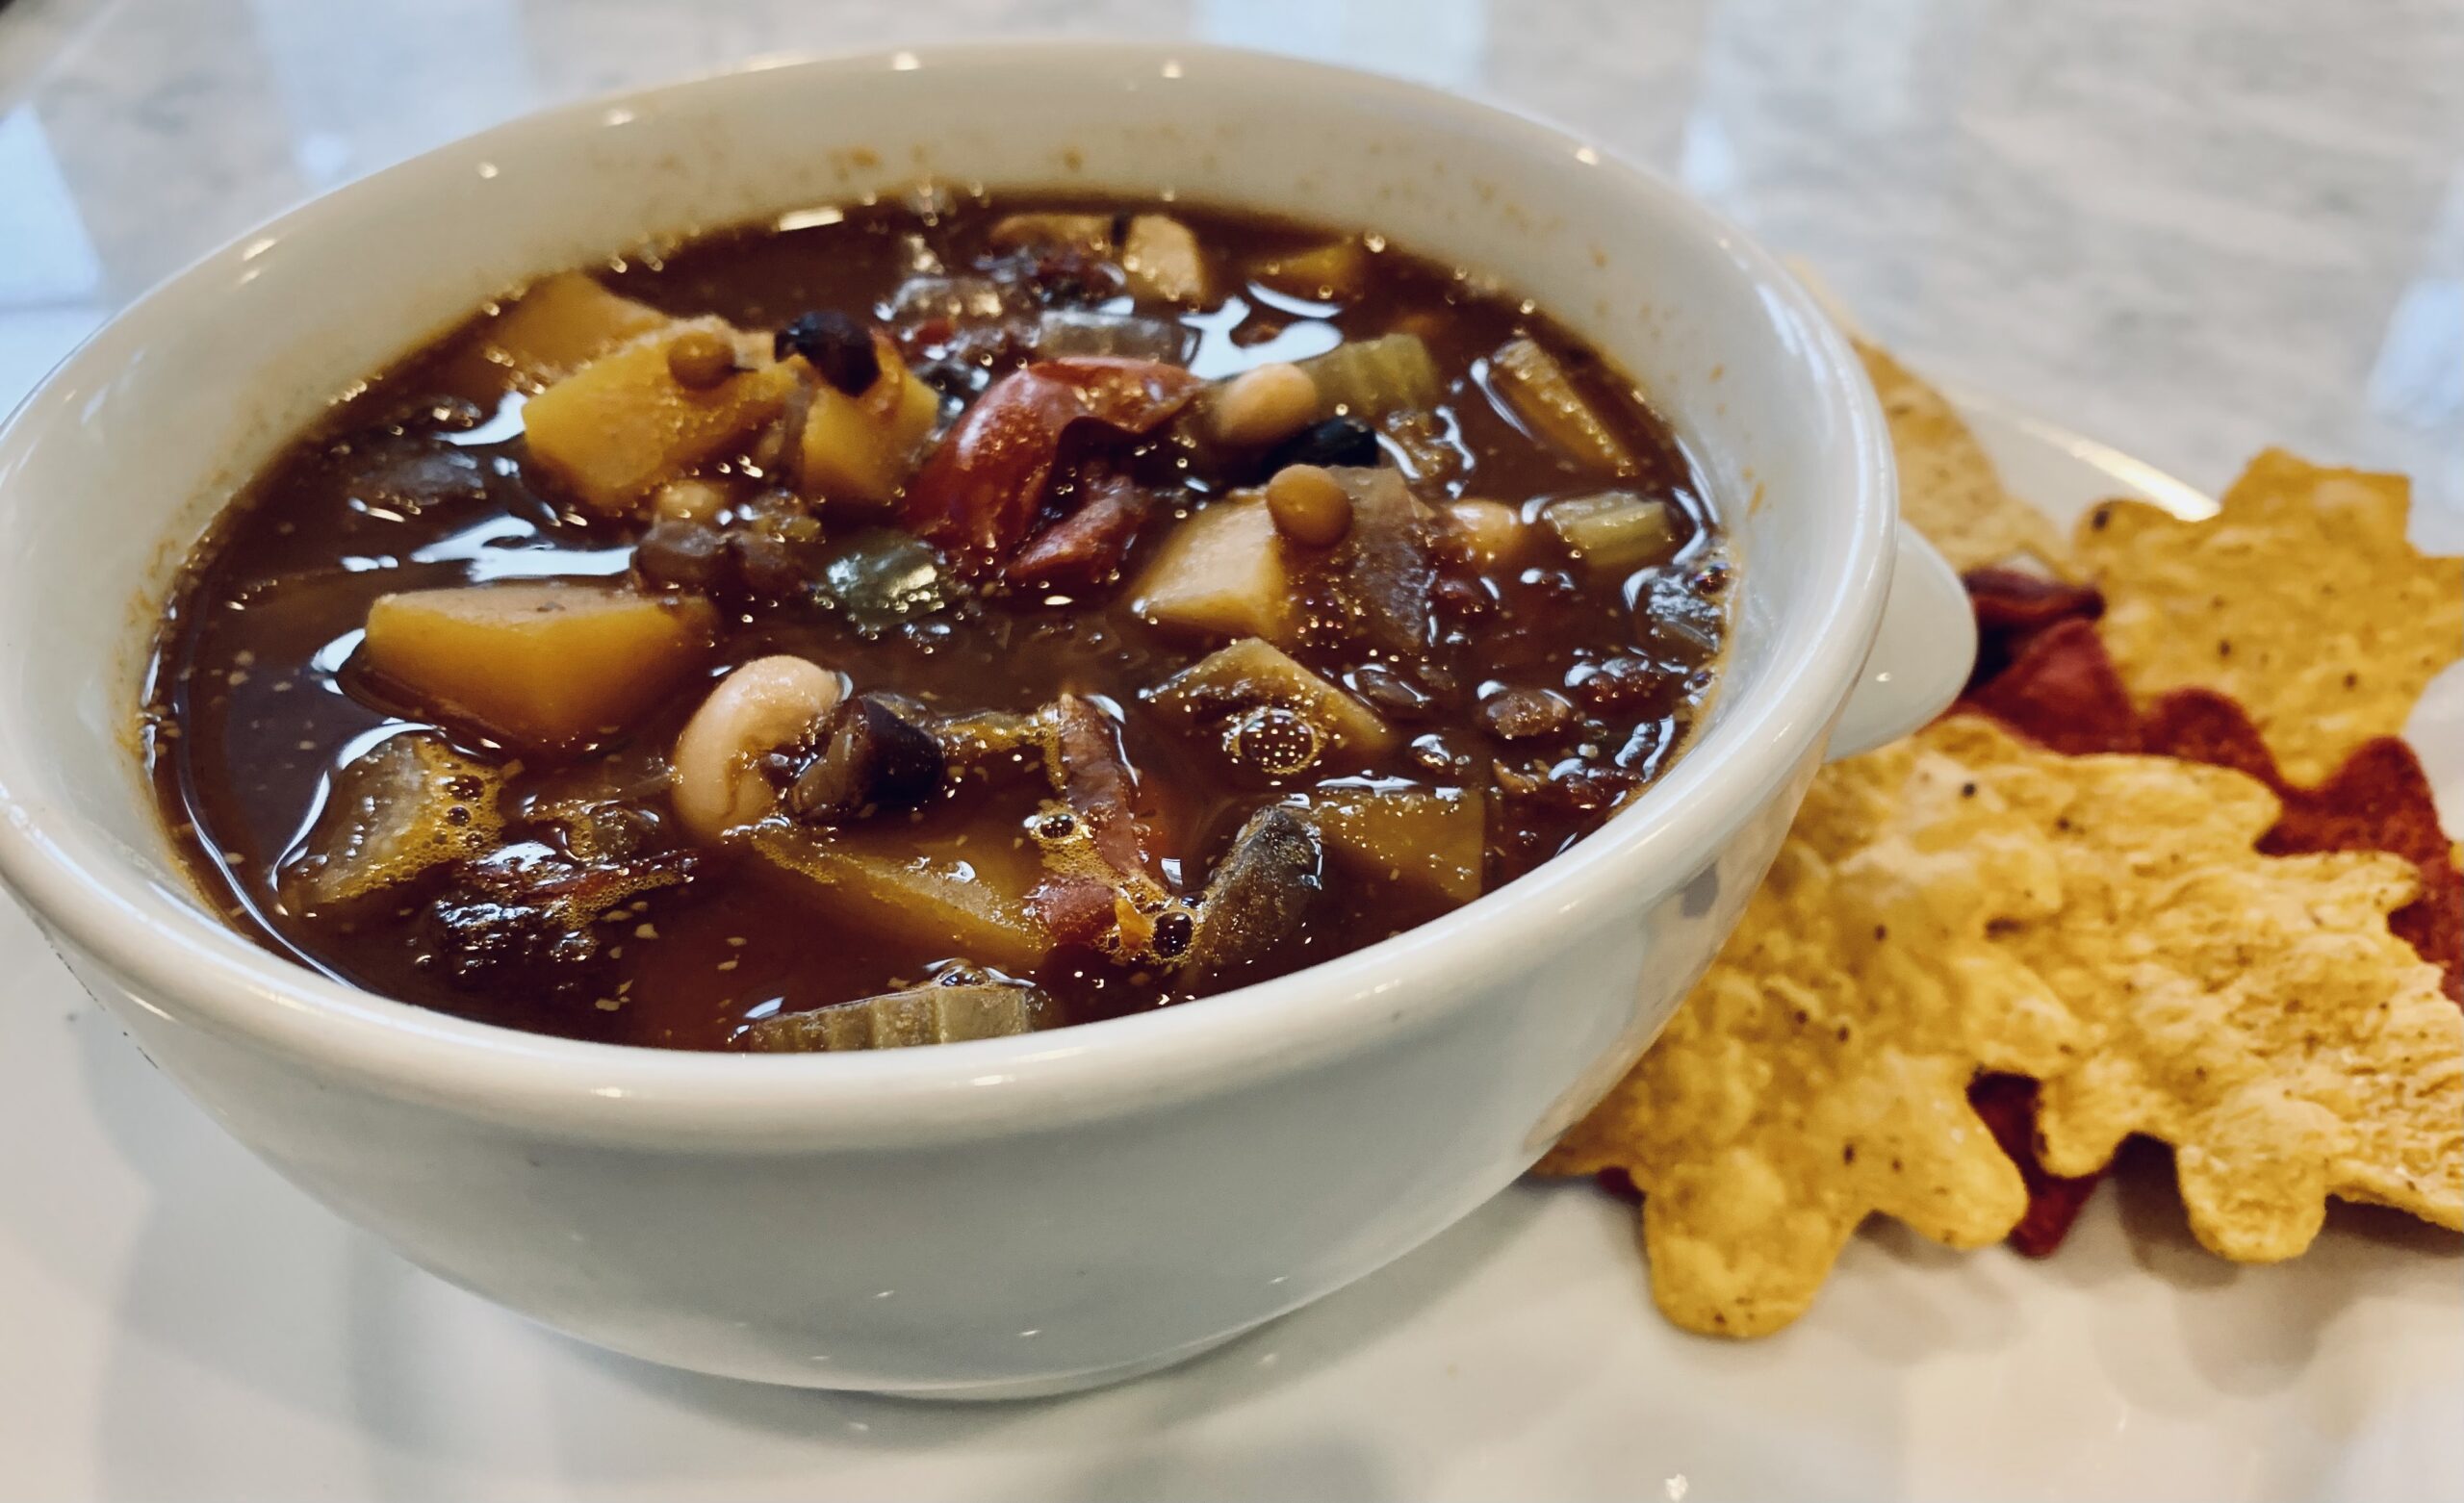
x,y
1165,262
543,667
1337,269
1221,571
1434,839
970,901
620,425
563,323
1252,672
864,447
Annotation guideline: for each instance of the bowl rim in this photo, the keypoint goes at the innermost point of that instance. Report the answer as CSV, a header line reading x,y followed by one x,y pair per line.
x,y
182,963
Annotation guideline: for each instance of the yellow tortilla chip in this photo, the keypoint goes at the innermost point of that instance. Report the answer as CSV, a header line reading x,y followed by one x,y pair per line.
x,y
2254,1012
1947,486
2300,598
1961,900
1820,1071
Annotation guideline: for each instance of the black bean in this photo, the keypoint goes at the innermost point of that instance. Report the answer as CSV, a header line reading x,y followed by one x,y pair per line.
x,y
1527,714
1390,691
1618,684
839,347
1335,442
681,555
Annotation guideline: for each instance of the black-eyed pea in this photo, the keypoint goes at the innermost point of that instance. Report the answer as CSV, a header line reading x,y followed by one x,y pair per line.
x,y
1264,404
714,776
1491,532
689,500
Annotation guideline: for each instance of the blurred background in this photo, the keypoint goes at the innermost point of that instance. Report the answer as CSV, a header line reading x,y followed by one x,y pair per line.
x,y
2188,230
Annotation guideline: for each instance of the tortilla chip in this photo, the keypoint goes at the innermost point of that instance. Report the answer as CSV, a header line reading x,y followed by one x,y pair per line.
x,y
2379,800
1819,1072
2301,600
2012,609
2252,1010
1962,902
1947,488
2008,1104
2059,688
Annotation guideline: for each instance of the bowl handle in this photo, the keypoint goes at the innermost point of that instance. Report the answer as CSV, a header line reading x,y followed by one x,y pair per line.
x,y
1920,658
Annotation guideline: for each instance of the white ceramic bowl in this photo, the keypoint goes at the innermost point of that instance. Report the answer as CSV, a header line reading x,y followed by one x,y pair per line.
x,y
1022,1216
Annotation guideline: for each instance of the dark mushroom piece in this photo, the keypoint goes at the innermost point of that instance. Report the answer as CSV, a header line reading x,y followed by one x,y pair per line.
x,y
1257,898
1381,576
872,759
1092,774
526,915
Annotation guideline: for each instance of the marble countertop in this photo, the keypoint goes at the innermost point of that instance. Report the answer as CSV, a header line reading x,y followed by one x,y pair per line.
x,y
2190,231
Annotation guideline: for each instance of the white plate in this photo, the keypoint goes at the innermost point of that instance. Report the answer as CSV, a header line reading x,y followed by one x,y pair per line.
x,y
178,1322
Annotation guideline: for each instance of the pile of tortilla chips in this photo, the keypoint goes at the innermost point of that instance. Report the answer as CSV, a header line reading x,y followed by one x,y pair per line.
x,y
2165,871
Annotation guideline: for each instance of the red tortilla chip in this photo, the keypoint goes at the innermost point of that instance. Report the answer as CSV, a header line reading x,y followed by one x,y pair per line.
x,y
2062,691
2056,684
2379,800
2008,1104
2013,608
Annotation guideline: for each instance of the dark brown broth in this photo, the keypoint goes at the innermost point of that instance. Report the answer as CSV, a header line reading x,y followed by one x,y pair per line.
x,y
256,701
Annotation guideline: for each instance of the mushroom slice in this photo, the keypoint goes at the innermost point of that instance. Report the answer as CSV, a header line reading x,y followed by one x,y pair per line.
x,y
1231,682
871,758
947,1012
1257,898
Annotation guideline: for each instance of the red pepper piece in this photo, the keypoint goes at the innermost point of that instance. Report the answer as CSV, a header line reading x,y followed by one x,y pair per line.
x,y
1084,549
980,495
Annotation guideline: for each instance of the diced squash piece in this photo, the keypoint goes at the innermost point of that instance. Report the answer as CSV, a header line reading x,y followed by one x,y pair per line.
x,y
1371,378
1544,396
1165,262
620,425
1223,571
933,1014
544,667
1091,232
563,323
1433,839
1615,531
1337,269
864,448
969,901
1252,672
411,804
